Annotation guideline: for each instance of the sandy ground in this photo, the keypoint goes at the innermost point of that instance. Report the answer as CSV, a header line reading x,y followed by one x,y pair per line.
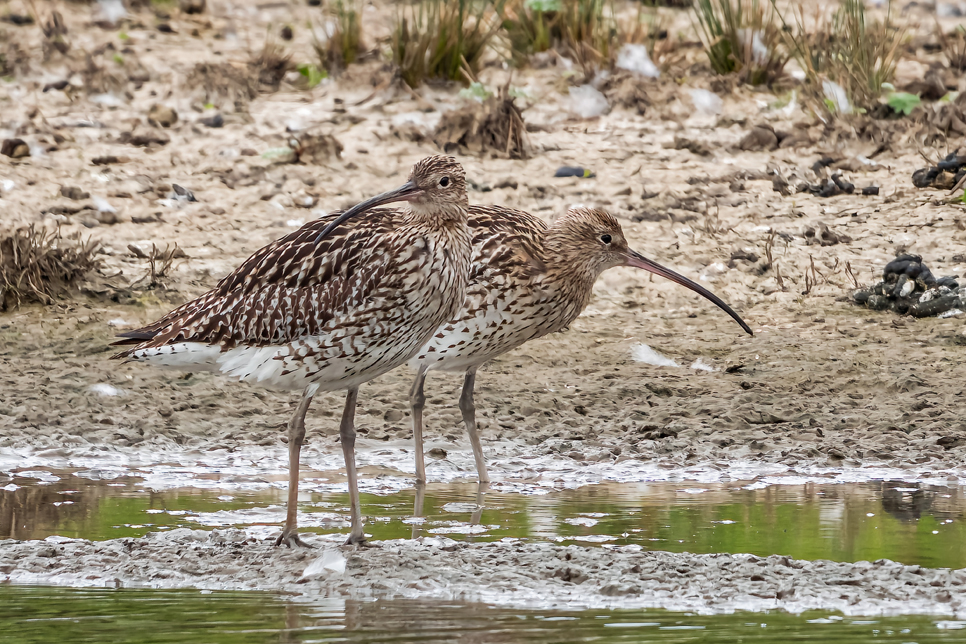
x,y
519,574
821,384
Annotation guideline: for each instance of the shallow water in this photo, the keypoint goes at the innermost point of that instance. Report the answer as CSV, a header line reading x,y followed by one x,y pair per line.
x,y
907,522
33,615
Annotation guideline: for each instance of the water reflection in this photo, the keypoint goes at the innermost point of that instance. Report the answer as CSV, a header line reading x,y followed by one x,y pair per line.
x,y
39,614
906,522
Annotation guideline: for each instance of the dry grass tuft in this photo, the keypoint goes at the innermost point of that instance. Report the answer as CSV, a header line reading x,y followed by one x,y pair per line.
x,y
270,65
36,265
495,125
436,39
858,55
578,29
55,34
224,84
160,263
954,48
343,37
743,37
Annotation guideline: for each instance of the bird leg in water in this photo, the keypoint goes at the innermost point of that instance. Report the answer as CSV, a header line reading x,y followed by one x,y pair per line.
x,y
418,507
477,515
468,410
417,400
296,434
347,435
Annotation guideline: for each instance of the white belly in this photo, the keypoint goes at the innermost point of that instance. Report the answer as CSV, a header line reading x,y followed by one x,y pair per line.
x,y
273,366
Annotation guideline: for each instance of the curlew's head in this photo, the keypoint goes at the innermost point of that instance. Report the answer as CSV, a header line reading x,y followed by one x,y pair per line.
x,y
591,240
436,184
440,183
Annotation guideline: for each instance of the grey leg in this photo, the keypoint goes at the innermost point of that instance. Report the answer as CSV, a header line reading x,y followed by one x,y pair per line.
x,y
347,435
417,400
418,507
296,434
469,419
477,515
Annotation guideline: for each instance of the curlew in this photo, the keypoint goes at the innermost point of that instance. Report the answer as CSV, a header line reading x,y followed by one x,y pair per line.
x,y
329,307
526,280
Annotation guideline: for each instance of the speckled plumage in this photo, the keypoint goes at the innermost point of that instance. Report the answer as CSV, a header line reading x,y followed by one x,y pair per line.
x,y
526,280
316,311
333,314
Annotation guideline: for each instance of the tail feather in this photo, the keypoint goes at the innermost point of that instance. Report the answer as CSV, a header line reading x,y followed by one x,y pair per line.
x,y
137,336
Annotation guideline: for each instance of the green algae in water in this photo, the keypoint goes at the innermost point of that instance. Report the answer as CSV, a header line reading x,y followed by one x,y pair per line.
x,y
912,524
35,615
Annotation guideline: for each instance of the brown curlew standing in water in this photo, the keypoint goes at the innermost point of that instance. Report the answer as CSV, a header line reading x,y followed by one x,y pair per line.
x,y
329,307
526,280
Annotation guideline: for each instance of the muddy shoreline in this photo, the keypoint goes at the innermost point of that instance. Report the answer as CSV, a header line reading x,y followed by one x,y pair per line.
x,y
502,573
824,390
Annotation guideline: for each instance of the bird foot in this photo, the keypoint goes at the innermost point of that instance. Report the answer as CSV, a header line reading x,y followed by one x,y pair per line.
x,y
291,539
356,540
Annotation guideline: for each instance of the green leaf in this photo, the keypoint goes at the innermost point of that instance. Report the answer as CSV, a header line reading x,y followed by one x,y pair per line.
x,y
476,92
903,102
118,59
313,75
543,5
830,104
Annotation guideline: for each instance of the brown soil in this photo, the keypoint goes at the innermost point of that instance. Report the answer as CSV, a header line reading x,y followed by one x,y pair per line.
x,y
822,382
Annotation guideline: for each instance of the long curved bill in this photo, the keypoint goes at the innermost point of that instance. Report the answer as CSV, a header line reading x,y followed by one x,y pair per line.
x,y
639,261
406,192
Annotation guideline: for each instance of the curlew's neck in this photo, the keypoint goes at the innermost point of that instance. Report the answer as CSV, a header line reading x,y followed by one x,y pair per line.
x,y
569,273
436,215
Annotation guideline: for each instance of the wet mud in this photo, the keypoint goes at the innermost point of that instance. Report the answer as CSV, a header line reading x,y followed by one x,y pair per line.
x,y
508,573
823,385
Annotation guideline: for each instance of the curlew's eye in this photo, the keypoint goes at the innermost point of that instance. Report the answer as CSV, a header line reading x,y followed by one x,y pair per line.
x,y
444,182
605,238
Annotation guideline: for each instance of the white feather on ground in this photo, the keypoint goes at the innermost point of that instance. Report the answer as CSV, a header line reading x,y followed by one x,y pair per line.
x,y
640,352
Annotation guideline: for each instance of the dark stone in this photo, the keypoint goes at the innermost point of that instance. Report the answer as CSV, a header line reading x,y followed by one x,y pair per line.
x,y
214,121
923,177
14,148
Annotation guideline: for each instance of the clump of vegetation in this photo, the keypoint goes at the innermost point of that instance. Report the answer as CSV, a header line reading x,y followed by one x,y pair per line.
x,y
270,65
486,123
588,31
55,34
954,48
531,26
224,84
343,44
160,263
442,40
36,265
847,55
743,37
578,29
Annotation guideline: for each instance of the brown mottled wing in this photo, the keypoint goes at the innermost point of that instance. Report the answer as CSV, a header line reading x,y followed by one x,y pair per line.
x,y
505,241
284,291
